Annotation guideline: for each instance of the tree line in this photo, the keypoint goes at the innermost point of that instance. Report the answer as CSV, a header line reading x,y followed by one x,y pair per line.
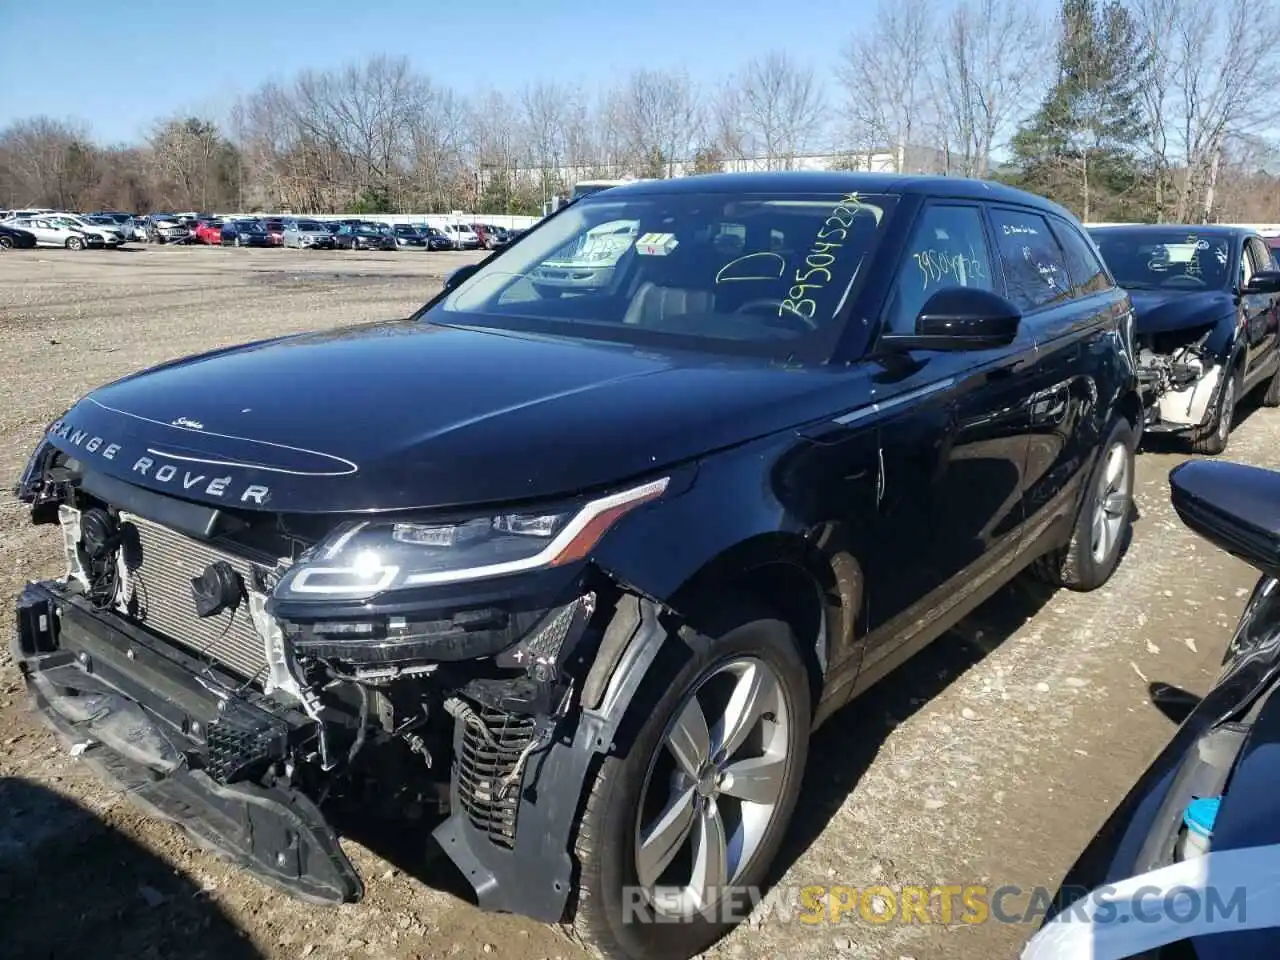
x,y
1162,110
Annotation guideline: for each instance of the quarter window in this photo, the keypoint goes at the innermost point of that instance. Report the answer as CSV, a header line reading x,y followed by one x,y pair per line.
x,y
1086,270
947,249
1034,265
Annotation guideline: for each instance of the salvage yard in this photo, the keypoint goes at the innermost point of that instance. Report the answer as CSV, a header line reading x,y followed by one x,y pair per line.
x,y
991,758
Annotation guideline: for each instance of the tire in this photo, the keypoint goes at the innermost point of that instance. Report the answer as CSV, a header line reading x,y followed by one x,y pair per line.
x,y
1212,438
235,241
611,917
1087,562
1272,397
6,243
75,243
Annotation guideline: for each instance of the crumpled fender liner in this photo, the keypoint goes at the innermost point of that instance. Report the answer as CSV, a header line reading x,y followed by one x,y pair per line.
x,y
535,877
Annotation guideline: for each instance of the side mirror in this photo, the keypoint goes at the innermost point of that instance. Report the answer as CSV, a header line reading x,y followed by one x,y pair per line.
x,y
462,273
1265,281
1233,506
959,318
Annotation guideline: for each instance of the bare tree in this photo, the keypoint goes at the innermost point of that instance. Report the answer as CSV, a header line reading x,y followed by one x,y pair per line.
x,y
184,154
781,109
885,78
542,108
48,162
989,57
727,125
1224,57
660,119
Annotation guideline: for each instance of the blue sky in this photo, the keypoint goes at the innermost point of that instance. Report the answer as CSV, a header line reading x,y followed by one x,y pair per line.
x,y
121,65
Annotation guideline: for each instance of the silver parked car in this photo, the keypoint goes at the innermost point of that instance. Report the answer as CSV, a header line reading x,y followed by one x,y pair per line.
x,y
307,234
167,228
111,236
135,228
55,232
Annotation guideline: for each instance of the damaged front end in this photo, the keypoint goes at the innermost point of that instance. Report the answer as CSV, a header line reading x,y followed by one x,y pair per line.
x,y
243,674
1180,374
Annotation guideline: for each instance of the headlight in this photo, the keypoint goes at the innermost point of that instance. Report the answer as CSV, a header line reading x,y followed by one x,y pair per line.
x,y
362,558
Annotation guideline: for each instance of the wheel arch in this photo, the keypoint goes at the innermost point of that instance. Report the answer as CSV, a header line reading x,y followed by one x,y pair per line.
x,y
809,581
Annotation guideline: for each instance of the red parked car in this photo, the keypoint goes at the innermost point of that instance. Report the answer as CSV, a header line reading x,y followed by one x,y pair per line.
x,y
209,231
275,230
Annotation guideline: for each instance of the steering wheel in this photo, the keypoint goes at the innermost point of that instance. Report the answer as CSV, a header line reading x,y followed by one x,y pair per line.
x,y
807,324
1184,279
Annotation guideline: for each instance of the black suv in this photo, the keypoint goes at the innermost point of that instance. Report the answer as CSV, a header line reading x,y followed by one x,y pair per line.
x,y
588,562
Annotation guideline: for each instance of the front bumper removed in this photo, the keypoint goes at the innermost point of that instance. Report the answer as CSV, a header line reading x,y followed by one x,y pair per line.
x,y
138,710
193,746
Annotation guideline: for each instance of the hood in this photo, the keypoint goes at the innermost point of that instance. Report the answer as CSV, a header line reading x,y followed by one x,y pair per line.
x,y
410,414
1161,310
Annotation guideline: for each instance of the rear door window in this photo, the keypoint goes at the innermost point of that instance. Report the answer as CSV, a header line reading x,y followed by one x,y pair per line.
x,y
1086,270
1262,256
1035,268
948,248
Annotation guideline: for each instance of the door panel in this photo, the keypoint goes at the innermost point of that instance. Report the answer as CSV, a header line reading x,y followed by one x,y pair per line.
x,y
1260,318
950,498
952,431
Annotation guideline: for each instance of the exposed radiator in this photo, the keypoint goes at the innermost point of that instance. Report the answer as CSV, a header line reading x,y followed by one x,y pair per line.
x,y
161,573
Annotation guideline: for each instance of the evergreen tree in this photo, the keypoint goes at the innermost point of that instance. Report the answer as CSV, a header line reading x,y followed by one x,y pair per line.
x,y
1081,147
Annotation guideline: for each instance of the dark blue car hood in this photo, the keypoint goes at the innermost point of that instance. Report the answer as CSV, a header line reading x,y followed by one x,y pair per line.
x,y
1161,310
409,414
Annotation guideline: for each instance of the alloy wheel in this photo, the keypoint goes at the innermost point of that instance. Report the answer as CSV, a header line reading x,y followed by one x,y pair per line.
x,y
1111,504
713,787
1227,409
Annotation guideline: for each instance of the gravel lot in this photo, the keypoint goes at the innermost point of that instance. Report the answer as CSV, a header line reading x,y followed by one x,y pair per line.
x,y
992,757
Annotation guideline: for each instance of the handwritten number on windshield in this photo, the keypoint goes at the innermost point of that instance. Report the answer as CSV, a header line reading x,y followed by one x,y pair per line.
x,y
816,270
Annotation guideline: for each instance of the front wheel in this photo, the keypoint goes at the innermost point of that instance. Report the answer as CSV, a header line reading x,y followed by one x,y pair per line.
x,y
1105,522
1212,439
677,829
1272,397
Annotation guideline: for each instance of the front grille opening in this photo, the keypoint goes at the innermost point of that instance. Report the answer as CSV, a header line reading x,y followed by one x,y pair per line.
x,y
482,767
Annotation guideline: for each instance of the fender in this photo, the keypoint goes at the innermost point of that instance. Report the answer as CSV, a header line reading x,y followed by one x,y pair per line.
x,y
702,540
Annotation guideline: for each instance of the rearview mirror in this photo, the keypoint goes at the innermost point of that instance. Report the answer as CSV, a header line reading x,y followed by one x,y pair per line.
x,y
959,318
1265,281
1233,506
459,275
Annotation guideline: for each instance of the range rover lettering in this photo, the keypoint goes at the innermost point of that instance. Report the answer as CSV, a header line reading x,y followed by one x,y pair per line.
x,y
585,564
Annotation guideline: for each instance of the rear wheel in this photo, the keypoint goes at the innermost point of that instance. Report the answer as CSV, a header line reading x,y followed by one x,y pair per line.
x,y
6,243
698,805
75,243
1105,521
1212,438
1272,397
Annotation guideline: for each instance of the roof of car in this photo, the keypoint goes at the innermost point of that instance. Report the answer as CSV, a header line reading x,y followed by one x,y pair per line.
x,y
824,181
1199,229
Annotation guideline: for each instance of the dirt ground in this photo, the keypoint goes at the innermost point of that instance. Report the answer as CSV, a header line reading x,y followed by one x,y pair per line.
x,y
991,758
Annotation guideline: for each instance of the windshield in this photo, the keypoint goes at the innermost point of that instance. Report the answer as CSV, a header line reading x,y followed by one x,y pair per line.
x,y
402,228
309,225
1178,259
250,226
762,274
